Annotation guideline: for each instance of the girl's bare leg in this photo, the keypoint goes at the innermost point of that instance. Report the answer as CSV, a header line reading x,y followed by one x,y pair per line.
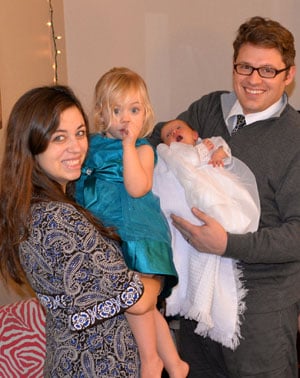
x,y
174,365
143,327
154,339
144,331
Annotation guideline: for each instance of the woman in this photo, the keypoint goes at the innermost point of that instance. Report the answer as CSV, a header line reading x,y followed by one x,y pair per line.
x,y
71,261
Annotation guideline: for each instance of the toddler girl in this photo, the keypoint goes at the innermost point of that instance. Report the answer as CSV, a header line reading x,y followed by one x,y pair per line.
x,y
115,186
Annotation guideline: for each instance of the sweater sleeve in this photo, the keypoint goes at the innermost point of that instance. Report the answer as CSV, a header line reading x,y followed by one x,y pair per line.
x,y
278,237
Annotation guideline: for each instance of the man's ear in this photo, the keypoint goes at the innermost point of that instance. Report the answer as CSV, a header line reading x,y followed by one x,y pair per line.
x,y
290,76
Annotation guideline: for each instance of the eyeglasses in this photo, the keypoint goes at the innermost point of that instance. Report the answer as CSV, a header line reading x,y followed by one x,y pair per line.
x,y
264,72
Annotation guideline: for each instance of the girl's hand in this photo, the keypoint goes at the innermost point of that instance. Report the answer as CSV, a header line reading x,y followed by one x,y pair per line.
x,y
131,133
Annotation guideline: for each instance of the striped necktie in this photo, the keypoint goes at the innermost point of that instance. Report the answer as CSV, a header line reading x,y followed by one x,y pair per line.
x,y
240,123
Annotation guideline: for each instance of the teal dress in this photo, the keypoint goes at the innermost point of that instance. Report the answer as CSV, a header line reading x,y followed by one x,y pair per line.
x,y
143,228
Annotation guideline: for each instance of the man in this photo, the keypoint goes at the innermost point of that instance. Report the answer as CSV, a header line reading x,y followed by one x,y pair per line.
x,y
269,143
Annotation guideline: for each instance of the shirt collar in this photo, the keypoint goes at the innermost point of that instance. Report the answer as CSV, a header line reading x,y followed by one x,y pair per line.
x,y
272,111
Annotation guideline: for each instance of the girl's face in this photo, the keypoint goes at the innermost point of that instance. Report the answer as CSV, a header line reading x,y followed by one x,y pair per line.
x,y
67,148
128,113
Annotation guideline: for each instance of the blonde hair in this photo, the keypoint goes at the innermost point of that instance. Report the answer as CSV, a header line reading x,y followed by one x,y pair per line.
x,y
115,84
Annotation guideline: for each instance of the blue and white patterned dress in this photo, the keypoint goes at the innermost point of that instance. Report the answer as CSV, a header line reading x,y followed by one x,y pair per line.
x,y
81,279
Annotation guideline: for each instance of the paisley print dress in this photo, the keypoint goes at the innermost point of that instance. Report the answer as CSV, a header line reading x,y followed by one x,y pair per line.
x,y
83,283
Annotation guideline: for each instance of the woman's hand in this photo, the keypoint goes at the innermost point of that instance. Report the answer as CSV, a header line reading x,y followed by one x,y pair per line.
x,y
210,237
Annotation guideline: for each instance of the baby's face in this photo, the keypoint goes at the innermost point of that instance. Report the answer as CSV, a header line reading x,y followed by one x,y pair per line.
x,y
178,131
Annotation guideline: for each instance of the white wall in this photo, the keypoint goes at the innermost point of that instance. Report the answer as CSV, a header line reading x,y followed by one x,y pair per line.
x,y
25,61
182,49
26,55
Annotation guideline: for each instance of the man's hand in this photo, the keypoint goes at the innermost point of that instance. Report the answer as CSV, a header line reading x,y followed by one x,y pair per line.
x,y
211,237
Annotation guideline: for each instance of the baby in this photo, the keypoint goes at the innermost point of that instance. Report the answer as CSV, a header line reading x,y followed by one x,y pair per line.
x,y
192,172
215,148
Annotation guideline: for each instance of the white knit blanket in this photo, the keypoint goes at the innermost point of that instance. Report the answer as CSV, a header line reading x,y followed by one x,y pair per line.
x,y
210,289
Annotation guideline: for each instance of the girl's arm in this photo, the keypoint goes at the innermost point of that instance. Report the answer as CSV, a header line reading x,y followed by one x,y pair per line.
x,y
138,168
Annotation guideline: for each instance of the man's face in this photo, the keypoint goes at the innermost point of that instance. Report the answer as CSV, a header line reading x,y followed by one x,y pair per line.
x,y
254,92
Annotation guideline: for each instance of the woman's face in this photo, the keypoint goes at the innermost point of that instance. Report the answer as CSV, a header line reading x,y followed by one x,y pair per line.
x,y
67,148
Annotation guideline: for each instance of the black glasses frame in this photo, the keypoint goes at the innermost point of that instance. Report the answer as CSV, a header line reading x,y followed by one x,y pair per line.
x,y
276,72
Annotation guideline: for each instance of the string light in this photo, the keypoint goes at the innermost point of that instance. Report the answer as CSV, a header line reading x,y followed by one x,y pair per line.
x,y
54,37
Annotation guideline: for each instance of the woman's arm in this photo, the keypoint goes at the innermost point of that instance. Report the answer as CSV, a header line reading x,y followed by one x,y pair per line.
x,y
71,266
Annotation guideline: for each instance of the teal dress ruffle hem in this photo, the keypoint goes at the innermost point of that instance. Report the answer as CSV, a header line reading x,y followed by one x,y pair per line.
x,y
143,228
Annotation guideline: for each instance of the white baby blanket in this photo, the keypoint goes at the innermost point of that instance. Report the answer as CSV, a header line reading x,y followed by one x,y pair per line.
x,y
210,288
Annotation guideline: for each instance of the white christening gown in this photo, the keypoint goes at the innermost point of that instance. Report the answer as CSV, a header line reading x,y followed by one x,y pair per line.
x,y
210,288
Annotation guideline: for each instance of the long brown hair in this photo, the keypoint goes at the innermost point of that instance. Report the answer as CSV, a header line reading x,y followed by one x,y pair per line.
x,y
33,120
